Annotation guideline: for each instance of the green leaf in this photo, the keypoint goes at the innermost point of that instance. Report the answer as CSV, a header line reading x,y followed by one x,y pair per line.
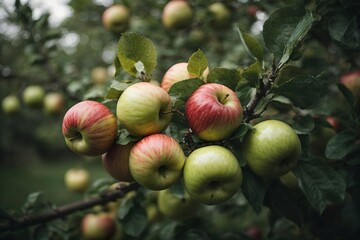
x,y
224,76
99,185
241,132
233,145
253,74
95,92
252,45
244,91
303,124
193,234
132,48
124,137
348,95
117,66
116,89
178,189
183,89
135,221
197,64
34,202
341,145
168,230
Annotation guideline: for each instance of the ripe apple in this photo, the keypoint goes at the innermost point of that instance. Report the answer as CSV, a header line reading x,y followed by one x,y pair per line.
x,y
54,103
116,18
77,179
99,75
156,161
352,81
89,128
212,175
10,104
176,14
33,96
98,226
144,109
177,73
116,162
289,180
220,15
334,122
272,149
254,233
213,112
175,207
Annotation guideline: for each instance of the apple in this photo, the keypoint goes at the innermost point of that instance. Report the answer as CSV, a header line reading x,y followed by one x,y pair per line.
x,y
144,109
254,233
152,213
334,122
77,179
116,18
116,162
175,207
54,103
98,226
156,161
99,75
10,104
289,180
251,10
352,81
33,96
176,14
89,128
213,112
177,73
212,175
220,15
272,149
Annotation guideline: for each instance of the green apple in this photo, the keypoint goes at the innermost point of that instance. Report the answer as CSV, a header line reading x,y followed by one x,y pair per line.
x,y
271,149
54,103
176,207
220,15
116,18
33,96
289,180
99,75
176,14
212,175
11,104
77,179
144,109
98,226
152,213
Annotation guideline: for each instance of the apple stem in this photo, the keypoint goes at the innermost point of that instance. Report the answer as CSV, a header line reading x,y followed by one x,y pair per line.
x,y
174,111
226,96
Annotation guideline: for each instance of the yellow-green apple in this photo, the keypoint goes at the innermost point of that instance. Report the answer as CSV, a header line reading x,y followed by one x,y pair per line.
x,y
177,73
176,207
77,179
352,81
220,15
99,75
289,180
116,162
10,104
212,175
116,18
54,103
152,212
33,95
213,112
156,161
144,109
271,149
89,128
176,14
98,226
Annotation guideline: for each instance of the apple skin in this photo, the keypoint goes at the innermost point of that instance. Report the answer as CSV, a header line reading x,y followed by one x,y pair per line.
x,y
33,96
116,18
213,112
212,175
352,81
177,73
144,109
156,161
54,103
77,179
175,207
289,180
272,149
220,15
11,104
177,14
116,162
100,226
89,128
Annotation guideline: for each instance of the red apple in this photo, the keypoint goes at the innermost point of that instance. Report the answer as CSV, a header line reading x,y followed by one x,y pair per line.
x,y
98,226
89,128
352,81
176,14
334,122
116,18
213,112
54,103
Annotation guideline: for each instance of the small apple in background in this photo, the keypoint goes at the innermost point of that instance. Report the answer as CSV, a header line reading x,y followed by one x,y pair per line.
x,y
144,109
352,81
99,75
213,112
251,10
89,128
289,180
334,122
116,18
175,207
77,179
176,14
98,226
116,162
254,233
152,212
156,161
177,73
220,15
272,149
11,104
212,175
33,96
54,103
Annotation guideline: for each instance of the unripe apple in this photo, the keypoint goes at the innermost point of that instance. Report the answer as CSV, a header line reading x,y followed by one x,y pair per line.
x,y
33,96
99,75
156,161
352,81
144,109
220,15
212,175
116,18
289,180
271,149
11,104
89,128
77,179
54,103
99,226
176,14
213,112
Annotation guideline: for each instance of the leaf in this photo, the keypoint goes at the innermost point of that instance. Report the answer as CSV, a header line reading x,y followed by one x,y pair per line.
x,y
34,202
303,124
99,185
117,66
241,132
183,89
244,91
348,95
253,73
124,137
135,222
132,48
342,144
178,189
252,45
168,230
197,64
224,76
5,216
125,208
193,234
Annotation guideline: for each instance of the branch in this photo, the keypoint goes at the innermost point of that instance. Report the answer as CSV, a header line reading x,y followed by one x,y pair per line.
x,y
65,210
